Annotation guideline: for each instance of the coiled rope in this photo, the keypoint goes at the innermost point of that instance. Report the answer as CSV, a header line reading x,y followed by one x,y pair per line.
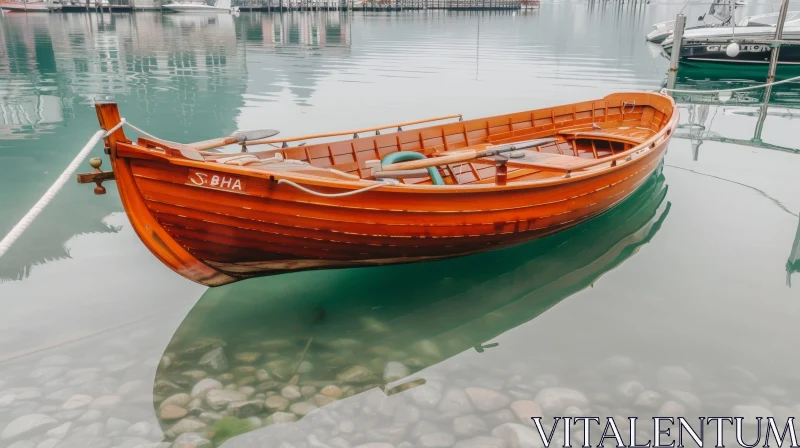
x,y
738,89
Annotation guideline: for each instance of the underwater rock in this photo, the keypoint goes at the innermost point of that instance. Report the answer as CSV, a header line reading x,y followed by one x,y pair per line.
x,y
281,417
427,348
485,399
437,440
77,401
426,396
210,417
671,408
498,418
423,427
59,432
140,429
48,443
518,436
308,391
202,346
332,390
244,409
221,398
165,362
648,399
525,409
191,440
247,390
215,360
172,412
629,390
750,412
455,401
481,442
406,413
165,387
195,374
90,415
262,375
247,357
617,364
291,393
181,400
226,377
674,377
305,367
116,425
183,426
468,425
394,371
276,403
195,406
26,425
201,389
356,375
553,400
322,400
302,408
687,399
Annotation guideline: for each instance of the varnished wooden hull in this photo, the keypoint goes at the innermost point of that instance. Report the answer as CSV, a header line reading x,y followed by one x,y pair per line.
x,y
215,235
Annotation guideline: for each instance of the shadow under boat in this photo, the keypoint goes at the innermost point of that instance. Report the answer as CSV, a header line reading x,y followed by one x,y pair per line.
x,y
420,314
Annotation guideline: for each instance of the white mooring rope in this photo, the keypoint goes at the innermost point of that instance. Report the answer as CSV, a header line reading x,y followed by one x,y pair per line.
x,y
51,192
738,89
333,195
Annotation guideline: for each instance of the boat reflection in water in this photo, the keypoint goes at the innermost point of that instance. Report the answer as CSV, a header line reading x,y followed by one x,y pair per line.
x,y
356,330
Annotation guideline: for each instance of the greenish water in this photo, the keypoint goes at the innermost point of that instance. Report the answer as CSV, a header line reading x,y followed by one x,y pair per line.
x,y
682,300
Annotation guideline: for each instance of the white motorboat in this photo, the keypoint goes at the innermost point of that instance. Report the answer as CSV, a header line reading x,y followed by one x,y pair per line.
x,y
201,7
719,14
753,35
25,6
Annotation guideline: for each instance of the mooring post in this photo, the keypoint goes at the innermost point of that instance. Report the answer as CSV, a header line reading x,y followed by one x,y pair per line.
x,y
776,47
675,56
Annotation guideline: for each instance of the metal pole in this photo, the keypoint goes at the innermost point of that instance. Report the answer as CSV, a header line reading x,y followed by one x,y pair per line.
x,y
677,40
776,49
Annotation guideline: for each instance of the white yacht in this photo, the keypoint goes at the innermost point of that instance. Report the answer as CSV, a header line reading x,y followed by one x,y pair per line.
x,y
201,7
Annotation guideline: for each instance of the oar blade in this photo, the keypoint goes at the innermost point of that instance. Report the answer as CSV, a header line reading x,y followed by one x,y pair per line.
x,y
255,134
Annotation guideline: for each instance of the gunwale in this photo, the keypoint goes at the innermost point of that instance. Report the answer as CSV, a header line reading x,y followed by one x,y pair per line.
x,y
649,144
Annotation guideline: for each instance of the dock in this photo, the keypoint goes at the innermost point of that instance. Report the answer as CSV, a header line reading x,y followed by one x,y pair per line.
x,y
322,5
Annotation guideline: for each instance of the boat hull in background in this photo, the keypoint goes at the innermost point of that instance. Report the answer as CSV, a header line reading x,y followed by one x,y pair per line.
x,y
30,7
195,9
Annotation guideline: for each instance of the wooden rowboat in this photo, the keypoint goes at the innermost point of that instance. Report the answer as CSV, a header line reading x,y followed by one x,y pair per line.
x,y
412,195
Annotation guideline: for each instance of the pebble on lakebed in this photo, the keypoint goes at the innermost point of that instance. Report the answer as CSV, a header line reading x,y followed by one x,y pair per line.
x,y
331,395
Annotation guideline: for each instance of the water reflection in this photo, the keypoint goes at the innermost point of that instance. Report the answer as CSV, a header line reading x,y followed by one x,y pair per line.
x,y
303,341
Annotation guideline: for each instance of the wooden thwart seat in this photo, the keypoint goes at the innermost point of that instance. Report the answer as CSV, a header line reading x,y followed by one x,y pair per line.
x,y
599,135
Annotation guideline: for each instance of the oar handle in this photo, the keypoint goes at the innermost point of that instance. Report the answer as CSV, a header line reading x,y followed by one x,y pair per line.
x,y
465,155
211,144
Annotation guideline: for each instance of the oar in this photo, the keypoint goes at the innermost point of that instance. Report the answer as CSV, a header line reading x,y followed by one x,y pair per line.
x,y
466,155
236,137
241,137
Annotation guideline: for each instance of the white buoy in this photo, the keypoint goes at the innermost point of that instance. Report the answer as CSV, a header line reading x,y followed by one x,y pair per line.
x,y
732,50
725,95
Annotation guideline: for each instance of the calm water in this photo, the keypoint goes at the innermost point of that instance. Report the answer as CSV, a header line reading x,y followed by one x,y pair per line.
x,y
681,301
